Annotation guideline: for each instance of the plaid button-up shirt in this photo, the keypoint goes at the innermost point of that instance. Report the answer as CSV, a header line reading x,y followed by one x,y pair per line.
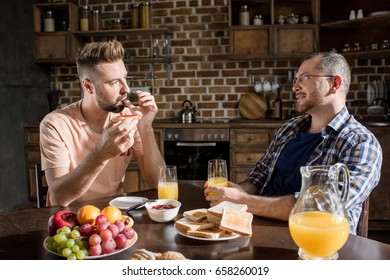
x,y
344,140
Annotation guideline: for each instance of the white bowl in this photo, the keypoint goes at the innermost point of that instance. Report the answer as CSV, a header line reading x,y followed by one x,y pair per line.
x,y
163,215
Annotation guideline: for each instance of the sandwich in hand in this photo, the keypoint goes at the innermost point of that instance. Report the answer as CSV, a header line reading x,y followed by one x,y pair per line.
x,y
123,117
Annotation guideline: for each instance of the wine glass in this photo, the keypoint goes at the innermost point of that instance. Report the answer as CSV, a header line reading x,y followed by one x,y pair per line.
x,y
167,183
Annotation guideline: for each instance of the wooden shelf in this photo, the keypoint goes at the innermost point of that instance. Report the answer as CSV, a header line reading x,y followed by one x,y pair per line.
x,y
124,32
381,22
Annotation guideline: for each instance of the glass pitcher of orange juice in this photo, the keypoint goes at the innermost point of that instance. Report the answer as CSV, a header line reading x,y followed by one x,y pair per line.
x,y
318,222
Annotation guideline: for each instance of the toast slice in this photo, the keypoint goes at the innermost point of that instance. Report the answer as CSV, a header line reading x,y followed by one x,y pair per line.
x,y
237,221
196,215
215,219
213,233
193,225
218,209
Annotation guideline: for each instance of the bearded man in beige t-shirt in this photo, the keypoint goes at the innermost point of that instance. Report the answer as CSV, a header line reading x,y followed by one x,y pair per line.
x,y
85,150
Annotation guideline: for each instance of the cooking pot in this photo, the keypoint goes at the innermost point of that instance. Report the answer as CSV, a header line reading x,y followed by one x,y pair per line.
x,y
187,113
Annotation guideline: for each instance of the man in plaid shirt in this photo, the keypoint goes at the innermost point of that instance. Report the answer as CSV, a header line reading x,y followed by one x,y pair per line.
x,y
324,134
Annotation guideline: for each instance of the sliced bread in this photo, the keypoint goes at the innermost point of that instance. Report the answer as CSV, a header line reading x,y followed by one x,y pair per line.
x,y
217,209
207,233
183,225
196,215
236,221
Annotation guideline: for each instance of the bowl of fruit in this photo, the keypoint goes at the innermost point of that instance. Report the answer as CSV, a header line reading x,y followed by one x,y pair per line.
x,y
163,210
89,233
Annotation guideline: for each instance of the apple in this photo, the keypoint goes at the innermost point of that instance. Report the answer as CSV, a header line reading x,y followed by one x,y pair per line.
x,y
61,219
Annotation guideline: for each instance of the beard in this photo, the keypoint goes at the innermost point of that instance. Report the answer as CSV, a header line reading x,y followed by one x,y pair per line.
x,y
108,106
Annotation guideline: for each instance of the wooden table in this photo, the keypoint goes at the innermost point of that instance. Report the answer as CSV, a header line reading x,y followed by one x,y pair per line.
x,y
22,234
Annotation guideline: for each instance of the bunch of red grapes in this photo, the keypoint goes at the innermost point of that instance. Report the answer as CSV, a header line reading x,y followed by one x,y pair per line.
x,y
105,237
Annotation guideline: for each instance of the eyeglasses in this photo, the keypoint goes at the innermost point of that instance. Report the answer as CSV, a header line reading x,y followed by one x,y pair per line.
x,y
305,77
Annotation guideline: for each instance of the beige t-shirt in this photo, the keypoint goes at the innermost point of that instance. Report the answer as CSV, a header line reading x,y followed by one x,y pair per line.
x,y
66,139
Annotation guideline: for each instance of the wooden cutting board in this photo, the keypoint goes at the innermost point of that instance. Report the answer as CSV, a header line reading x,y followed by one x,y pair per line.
x,y
252,106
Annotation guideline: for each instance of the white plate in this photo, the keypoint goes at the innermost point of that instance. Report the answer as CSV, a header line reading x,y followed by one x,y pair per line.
x,y
223,238
129,243
124,202
380,13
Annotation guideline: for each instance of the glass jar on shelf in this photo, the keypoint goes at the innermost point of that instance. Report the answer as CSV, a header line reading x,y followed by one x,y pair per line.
x,y
84,18
357,48
48,24
134,15
346,48
146,15
96,21
385,45
244,15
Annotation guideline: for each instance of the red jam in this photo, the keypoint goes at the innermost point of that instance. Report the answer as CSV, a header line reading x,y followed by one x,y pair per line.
x,y
163,206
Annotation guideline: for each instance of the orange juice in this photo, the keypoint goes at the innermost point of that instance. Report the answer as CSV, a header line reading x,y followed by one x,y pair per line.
x,y
168,190
318,233
217,182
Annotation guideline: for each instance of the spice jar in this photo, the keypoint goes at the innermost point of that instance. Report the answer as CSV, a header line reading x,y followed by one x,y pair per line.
x,y
385,45
145,20
48,25
346,48
117,24
244,15
84,18
96,22
258,20
134,14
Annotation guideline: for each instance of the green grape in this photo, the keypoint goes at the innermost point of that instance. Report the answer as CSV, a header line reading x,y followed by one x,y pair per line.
x,y
55,246
70,243
75,248
66,252
59,250
76,228
66,230
80,243
75,234
80,255
86,252
60,237
63,244
72,257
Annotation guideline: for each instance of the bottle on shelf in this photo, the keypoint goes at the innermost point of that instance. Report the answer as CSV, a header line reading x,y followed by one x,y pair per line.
x,y
84,18
244,15
278,105
49,24
145,19
96,22
134,15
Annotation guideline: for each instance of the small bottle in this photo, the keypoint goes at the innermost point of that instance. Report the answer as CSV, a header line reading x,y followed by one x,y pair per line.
x,y
385,45
258,20
96,23
145,20
244,15
84,18
49,25
346,48
117,24
134,15
278,105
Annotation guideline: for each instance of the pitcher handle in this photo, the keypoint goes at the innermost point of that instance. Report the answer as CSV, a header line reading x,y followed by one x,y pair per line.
x,y
341,167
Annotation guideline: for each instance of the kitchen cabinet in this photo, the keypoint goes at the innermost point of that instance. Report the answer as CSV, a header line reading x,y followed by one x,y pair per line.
x,y
247,146
272,39
369,32
133,180
61,45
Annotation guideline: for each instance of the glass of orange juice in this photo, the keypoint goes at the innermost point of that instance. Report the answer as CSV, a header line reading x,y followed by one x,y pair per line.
x,y
217,174
167,183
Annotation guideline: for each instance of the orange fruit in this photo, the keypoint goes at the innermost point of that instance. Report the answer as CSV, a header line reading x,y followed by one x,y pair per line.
x,y
112,213
88,214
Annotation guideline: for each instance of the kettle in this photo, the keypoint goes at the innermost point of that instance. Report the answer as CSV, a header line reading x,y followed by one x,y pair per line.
x,y
187,113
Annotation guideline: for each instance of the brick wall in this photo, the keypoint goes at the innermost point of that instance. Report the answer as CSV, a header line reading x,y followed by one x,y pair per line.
x,y
201,70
